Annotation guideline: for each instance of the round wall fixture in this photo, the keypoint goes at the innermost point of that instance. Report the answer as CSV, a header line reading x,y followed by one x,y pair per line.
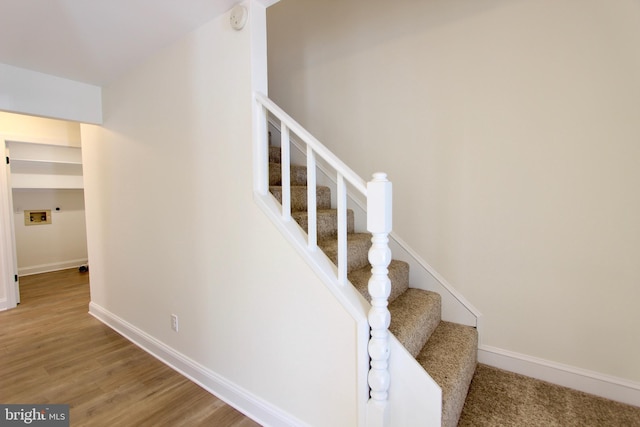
x,y
238,17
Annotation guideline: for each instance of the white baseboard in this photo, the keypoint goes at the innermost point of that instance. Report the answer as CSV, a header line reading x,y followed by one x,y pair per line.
x,y
591,382
55,266
4,304
254,407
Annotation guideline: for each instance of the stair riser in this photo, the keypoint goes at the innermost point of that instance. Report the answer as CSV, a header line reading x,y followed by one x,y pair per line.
x,y
357,252
299,197
327,222
274,154
298,174
398,275
450,357
414,317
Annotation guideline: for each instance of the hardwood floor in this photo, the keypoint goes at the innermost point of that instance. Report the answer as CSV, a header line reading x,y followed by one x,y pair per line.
x,y
53,351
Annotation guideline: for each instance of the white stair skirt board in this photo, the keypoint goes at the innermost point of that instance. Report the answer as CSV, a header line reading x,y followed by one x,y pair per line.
x,y
46,268
591,382
232,394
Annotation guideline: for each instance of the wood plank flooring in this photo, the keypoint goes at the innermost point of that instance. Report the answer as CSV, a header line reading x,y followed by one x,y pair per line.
x,y
53,351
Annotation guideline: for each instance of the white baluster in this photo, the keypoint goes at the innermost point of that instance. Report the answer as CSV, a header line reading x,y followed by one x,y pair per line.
x,y
379,220
285,168
312,213
341,208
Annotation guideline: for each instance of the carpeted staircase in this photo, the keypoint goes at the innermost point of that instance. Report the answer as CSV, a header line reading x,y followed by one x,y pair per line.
x,y
447,351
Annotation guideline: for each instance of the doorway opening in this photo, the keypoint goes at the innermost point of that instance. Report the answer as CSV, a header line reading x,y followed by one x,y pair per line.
x,y
45,198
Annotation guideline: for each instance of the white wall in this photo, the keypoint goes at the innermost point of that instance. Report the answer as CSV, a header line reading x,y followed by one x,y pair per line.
x,y
30,92
510,131
172,228
47,247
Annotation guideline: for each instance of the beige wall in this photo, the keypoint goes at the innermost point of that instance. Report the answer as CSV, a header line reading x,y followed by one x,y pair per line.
x,y
510,131
172,228
18,127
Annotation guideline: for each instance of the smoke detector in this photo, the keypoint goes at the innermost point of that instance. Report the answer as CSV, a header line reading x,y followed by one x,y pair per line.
x,y
238,17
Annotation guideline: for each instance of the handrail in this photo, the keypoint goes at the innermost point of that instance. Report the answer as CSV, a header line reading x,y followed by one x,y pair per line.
x,y
353,178
378,194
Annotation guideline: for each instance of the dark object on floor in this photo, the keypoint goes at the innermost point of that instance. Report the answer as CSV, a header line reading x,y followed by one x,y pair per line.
x,y
83,268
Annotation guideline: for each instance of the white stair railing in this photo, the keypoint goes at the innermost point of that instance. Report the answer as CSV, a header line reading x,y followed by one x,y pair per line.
x,y
378,193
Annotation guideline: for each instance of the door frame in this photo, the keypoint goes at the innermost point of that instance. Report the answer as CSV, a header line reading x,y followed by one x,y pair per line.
x,y
8,255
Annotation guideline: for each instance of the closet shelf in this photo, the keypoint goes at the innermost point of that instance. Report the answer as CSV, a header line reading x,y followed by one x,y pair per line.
x,y
36,166
41,161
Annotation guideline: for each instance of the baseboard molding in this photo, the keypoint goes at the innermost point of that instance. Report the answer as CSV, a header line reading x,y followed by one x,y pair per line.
x,y
55,266
591,382
254,407
4,304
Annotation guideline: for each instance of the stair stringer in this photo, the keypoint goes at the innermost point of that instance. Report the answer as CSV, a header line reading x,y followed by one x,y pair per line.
x,y
349,298
455,307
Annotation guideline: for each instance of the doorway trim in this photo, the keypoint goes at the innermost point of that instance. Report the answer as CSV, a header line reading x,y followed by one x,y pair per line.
x,y
8,256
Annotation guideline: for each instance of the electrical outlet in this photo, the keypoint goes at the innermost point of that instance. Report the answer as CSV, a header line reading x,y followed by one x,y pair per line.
x,y
174,322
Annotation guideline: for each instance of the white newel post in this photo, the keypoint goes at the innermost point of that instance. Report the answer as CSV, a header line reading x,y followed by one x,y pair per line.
x,y
379,222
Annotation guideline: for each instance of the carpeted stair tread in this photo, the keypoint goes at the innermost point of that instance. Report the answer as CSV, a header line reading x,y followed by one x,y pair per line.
x,y
298,174
299,197
414,316
358,245
398,275
450,357
327,222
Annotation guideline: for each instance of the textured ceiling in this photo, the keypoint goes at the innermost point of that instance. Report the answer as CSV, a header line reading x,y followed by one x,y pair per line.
x,y
94,41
